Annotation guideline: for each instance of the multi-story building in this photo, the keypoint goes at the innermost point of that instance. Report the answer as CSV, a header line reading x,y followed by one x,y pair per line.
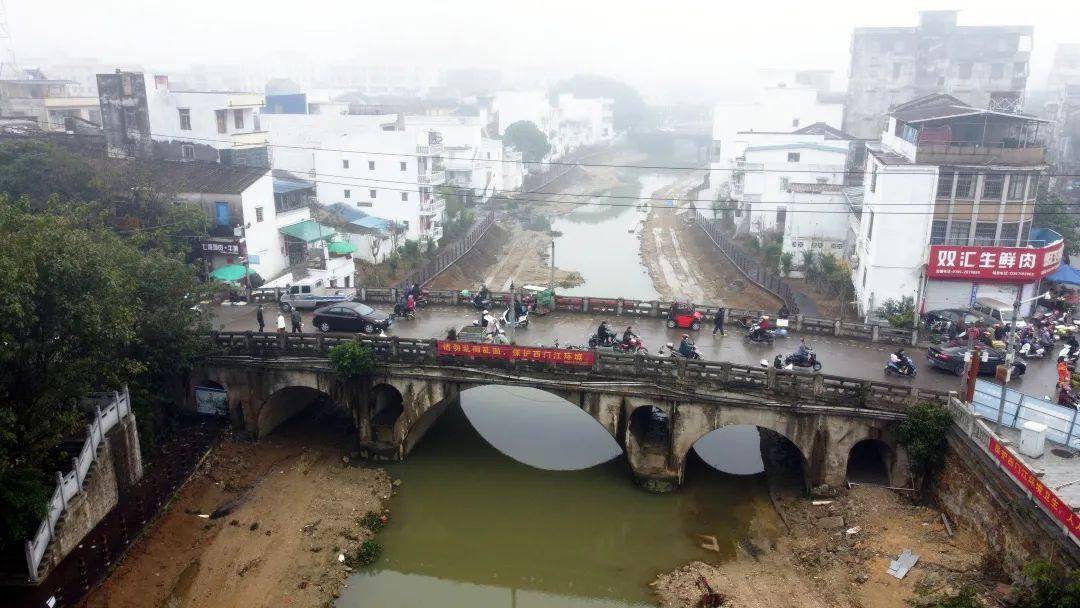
x,y
947,207
1063,108
985,65
569,123
50,102
145,118
369,162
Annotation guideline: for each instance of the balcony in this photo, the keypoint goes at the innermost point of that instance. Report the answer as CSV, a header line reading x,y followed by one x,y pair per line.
x,y
430,150
962,153
435,178
250,139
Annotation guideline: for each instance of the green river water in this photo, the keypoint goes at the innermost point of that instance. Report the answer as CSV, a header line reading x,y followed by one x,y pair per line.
x,y
471,526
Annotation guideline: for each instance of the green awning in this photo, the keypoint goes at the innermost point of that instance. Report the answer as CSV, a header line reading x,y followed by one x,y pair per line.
x,y
308,231
341,247
230,273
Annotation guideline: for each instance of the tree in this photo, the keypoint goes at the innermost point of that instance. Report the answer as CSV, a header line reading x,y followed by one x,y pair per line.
x,y
772,253
628,110
40,171
899,313
1049,586
352,360
786,261
82,309
924,434
524,137
1054,213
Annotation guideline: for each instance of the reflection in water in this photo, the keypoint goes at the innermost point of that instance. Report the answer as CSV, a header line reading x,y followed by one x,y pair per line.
x,y
472,527
595,241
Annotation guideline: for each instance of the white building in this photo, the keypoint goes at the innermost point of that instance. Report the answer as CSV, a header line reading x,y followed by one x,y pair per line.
x,y
368,162
569,124
947,206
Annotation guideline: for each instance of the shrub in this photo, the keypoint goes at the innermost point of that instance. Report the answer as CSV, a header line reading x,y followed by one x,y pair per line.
x,y
964,599
899,313
923,433
786,261
352,360
365,556
1048,586
372,521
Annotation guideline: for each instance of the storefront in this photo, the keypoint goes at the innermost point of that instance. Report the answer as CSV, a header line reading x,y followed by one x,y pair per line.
x,y
957,276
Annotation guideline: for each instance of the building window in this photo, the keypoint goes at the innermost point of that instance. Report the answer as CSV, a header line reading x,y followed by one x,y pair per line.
x,y
404,166
125,84
781,216
372,193
1009,232
997,70
371,165
1020,68
959,233
258,214
963,71
238,119
185,119
1016,186
187,151
348,193
344,164
784,183
404,197
937,231
873,178
793,157
1025,230
965,185
985,233
129,119
992,185
222,127
944,184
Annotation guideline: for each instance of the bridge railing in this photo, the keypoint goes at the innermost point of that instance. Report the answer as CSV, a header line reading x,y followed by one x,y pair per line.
x,y
689,375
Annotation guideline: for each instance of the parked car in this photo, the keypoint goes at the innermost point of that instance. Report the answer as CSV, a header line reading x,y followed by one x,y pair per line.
x,y
956,316
1000,312
951,359
312,295
351,317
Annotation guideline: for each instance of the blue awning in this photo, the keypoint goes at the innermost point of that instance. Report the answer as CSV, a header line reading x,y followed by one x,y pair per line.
x,y
1065,274
284,186
371,221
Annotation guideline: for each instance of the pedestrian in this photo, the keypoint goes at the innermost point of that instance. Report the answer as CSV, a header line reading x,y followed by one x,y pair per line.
x,y
718,321
281,323
259,318
297,323
1063,372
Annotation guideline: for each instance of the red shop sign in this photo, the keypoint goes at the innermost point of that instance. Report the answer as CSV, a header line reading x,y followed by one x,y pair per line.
x,y
446,348
993,264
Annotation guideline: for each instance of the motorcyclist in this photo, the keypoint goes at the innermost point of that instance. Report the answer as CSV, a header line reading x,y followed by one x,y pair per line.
x,y
491,324
400,308
900,360
628,336
483,293
686,347
604,334
484,316
760,328
783,313
1074,346
803,354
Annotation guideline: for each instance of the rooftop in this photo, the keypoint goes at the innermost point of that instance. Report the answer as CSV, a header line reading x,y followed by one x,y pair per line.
x,y
197,177
814,188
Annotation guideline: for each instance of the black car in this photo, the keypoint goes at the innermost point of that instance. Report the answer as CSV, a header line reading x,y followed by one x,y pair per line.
x,y
351,316
951,359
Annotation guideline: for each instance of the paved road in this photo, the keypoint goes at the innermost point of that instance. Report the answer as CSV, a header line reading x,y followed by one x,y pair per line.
x,y
839,356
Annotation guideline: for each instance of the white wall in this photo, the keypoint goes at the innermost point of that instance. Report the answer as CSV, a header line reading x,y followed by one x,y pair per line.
x,y
514,106
263,238
818,223
165,104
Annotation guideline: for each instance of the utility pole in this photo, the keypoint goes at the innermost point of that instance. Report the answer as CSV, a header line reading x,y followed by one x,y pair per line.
x,y
513,314
1009,354
551,276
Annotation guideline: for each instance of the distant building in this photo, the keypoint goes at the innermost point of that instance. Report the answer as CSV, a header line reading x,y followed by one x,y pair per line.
x,y
1063,107
569,122
145,118
985,65
947,207
48,101
288,103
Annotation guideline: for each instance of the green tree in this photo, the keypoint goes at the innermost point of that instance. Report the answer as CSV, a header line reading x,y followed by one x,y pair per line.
x,y
524,137
352,360
628,110
1054,213
772,253
41,171
924,434
786,262
899,313
1049,586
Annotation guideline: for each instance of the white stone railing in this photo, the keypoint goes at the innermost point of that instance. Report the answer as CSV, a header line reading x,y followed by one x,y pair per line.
x,y
110,409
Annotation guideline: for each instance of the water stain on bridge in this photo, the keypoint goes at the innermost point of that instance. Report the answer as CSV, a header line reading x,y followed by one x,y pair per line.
x,y
491,512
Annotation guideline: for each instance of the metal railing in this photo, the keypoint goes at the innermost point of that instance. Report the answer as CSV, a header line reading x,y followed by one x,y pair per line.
x,y
109,410
695,376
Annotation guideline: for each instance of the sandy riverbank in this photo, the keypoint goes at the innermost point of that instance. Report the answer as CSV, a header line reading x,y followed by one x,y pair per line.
x,y
293,506
836,555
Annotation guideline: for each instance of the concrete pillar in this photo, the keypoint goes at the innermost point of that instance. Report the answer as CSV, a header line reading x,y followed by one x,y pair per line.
x,y
836,328
78,478
619,307
798,322
770,377
249,343
874,333
363,294
585,304
915,337
819,385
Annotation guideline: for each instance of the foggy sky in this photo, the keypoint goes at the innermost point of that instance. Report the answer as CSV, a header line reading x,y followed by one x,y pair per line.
x,y
676,43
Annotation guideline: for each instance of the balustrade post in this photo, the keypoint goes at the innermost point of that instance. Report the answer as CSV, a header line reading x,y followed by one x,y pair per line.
x,y
915,337
618,307
770,377
874,333
818,385
433,350
282,341
865,392
75,467
363,294
725,373
249,343
320,343
798,322
836,328
585,304
395,347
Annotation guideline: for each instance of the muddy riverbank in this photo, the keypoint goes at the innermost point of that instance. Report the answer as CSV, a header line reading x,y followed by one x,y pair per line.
x,y
260,524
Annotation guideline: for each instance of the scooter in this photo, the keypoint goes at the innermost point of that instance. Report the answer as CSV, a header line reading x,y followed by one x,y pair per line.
x,y
522,320
401,311
898,368
1030,349
480,303
675,354
596,341
760,337
792,361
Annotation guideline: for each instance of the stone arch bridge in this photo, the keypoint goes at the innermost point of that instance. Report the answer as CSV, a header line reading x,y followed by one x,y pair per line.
x,y
825,417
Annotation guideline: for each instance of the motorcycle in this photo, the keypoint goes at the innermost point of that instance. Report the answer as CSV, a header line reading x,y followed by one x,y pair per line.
x,y
401,311
1030,349
480,303
634,347
597,341
675,354
522,320
900,368
759,337
794,360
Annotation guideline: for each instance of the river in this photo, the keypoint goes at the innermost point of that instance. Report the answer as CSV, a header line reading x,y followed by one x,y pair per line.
x,y
544,513
595,240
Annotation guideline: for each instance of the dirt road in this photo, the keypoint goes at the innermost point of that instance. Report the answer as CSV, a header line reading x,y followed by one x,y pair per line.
x,y
836,555
293,506
682,261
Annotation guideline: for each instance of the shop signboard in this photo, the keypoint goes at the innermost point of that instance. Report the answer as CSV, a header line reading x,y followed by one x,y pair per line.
x,y
993,264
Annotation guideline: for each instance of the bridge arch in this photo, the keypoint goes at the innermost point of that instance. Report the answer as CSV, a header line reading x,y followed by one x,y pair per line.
x,y
285,403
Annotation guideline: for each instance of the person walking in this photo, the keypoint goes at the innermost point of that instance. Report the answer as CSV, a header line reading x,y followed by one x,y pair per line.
x,y
281,323
259,318
718,321
297,322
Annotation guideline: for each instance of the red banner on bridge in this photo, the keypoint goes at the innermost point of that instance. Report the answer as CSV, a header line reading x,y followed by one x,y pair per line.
x,y
1038,489
559,356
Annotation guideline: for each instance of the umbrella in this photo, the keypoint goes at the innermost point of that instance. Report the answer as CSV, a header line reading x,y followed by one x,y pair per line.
x,y
230,272
341,247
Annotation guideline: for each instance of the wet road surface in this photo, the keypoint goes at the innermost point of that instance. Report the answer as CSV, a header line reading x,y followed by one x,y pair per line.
x,y
839,356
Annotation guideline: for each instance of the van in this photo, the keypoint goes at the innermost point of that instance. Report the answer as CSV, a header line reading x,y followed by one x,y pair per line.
x,y
999,311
